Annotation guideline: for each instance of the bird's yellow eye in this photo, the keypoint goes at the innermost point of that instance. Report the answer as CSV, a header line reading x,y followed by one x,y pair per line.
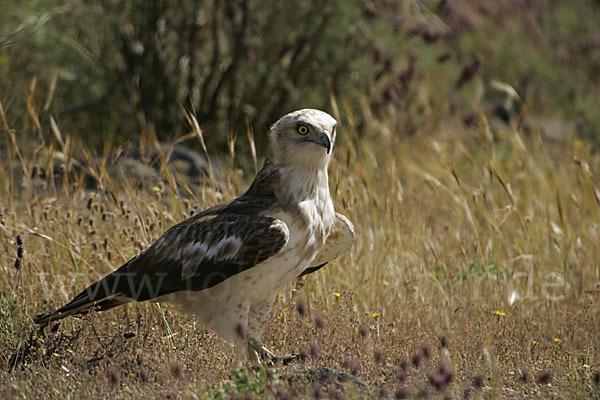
x,y
302,129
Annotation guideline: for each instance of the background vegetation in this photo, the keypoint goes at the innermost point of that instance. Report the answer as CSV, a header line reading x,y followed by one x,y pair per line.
x,y
113,69
467,159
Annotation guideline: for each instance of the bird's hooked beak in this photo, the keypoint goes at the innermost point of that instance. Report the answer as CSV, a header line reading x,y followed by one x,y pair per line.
x,y
324,141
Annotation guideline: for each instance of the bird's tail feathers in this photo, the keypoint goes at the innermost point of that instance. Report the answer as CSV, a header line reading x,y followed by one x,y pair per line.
x,y
90,298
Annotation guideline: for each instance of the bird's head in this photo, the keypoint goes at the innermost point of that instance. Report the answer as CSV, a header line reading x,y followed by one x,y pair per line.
x,y
303,137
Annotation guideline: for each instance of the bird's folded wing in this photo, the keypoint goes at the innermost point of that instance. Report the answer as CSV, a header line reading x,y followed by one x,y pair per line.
x,y
200,253
339,240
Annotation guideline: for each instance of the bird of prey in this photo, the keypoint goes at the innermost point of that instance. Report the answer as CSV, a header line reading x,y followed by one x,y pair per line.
x,y
226,264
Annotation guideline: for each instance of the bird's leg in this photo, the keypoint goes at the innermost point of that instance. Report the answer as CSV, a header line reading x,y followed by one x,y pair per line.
x,y
257,318
260,354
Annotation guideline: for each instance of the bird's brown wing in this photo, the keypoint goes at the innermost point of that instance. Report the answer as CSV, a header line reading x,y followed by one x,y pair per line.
x,y
194,255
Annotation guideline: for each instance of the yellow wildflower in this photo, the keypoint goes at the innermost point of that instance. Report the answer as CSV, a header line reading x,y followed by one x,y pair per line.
x,y
499,313
557,340
336,294
375,315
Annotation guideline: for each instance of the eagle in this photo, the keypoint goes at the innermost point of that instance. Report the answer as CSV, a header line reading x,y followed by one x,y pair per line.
x,y
227,264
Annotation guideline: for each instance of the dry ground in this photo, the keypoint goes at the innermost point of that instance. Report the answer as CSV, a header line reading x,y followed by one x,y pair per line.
x,y
474,275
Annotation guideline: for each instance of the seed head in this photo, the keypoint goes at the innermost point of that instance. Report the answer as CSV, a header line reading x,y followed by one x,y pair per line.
x,y
525,377
416,360
545,377
444,368
401,375
426,352
320,322
177,370
19,240
314,349
467,392
444,341
18,263
437,381
301,308
596,378
318,390
304,351
403,363
282,394
379,355
129,335
352,364
478,381
401,394
363,330
423,393
114,378
144,375
332,391
241,330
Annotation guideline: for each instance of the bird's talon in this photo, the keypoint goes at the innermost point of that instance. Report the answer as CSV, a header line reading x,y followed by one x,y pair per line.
x,y
260,354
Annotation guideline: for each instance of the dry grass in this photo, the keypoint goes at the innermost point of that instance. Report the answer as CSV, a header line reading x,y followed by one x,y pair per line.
x,y
473,275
